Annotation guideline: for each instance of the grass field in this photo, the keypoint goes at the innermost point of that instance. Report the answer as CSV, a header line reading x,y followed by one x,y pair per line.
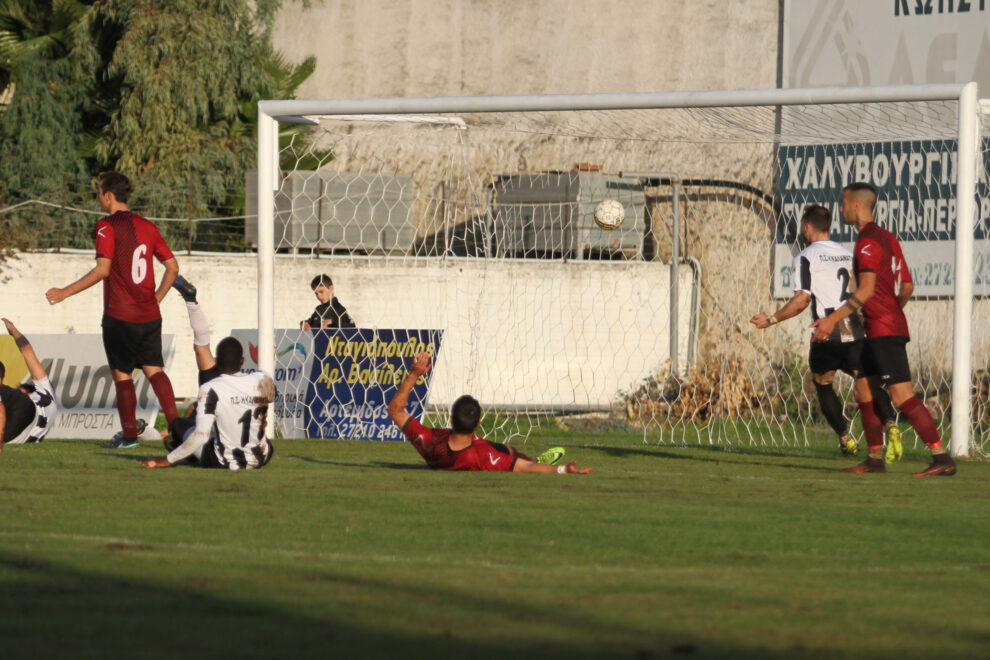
x,y
347,549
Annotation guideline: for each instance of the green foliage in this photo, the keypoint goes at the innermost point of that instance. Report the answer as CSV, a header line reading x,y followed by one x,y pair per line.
x,y
41,125
164,91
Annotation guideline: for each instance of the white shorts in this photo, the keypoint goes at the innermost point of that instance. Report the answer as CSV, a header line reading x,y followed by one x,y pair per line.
x,y
45,410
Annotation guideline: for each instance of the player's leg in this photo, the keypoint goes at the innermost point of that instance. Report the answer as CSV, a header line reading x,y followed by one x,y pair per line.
x,y
892,353
162,385
120,345
893,449
831,407
864,391
509,450
823,359
923,423
198,322
149,356
27,352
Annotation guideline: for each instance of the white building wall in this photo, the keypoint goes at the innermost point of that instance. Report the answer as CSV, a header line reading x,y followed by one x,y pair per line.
x,y
516,333
383,48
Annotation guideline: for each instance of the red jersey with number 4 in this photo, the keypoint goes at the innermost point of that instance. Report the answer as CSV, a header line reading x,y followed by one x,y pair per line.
x,y
129,241
877,251
432,445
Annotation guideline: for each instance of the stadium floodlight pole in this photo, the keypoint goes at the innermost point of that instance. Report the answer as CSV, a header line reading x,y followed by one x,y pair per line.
x,y
267,180
962,326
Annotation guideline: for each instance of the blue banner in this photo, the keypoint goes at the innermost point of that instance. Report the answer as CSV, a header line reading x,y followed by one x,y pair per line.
x,y
355,372
916,186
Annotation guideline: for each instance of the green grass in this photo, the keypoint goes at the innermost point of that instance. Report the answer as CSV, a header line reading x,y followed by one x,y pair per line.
x,y
348,549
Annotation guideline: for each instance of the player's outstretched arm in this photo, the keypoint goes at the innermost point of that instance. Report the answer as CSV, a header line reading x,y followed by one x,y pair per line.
x,y
532,466
27,351
99,273
193,442
797,304
397,406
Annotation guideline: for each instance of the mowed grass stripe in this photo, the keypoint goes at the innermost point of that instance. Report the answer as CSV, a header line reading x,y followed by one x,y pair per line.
x,y
357,550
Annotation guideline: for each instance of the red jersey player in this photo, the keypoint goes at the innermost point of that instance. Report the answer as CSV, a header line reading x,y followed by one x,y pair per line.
x,y
458,448
132,321
883,289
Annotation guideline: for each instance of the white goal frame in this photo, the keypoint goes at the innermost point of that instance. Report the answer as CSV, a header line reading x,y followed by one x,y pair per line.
x,y
271,112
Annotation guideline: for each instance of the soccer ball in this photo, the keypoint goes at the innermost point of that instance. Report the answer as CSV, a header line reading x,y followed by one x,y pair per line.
x,y
609,214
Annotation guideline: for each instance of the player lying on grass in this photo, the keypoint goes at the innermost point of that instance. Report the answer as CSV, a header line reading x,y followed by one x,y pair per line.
x,y
458,448
228,430
27,412
822,272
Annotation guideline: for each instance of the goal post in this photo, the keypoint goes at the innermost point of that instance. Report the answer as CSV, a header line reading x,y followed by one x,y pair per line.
x,y
516,210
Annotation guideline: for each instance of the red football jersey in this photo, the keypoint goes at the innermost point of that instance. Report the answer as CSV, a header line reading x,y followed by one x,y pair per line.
x,y
877,251
129,241
432,445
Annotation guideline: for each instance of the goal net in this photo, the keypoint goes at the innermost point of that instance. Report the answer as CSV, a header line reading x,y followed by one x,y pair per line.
x,y
466,227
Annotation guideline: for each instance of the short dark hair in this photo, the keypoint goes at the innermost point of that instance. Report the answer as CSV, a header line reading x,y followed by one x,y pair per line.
x,y
860,187
320,280
118,184
3,371
818,217
230,355
465,414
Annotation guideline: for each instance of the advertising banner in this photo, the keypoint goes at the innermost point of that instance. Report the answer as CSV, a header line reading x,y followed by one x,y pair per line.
x,y
77,367
337,383
354,374
885,42
916,185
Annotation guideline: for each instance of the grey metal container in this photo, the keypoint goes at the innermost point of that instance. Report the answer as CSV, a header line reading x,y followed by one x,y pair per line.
x,y
338,211
553,214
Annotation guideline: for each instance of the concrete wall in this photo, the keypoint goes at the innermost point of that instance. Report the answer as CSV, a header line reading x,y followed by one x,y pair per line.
x,y
557,334
380,48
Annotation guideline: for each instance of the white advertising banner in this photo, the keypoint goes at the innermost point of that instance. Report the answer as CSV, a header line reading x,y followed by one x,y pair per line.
x,y
77,367
886,42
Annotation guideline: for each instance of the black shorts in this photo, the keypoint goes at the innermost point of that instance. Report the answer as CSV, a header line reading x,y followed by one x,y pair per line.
x,y
886,357
833,355
132,345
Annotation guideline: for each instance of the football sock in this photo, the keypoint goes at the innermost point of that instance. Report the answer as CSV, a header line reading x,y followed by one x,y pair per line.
x,y
919,417
885,407
127,407
831,408
871,425
200,326
166,397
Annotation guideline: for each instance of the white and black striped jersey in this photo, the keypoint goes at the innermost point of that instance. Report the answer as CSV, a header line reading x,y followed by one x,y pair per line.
x,y
228,407
824,270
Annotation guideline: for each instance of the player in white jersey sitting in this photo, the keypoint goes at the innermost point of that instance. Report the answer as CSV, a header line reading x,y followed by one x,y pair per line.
x,y
822,271
27,412
228,430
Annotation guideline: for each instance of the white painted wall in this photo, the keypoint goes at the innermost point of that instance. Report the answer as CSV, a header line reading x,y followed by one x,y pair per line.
x,y
517,332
